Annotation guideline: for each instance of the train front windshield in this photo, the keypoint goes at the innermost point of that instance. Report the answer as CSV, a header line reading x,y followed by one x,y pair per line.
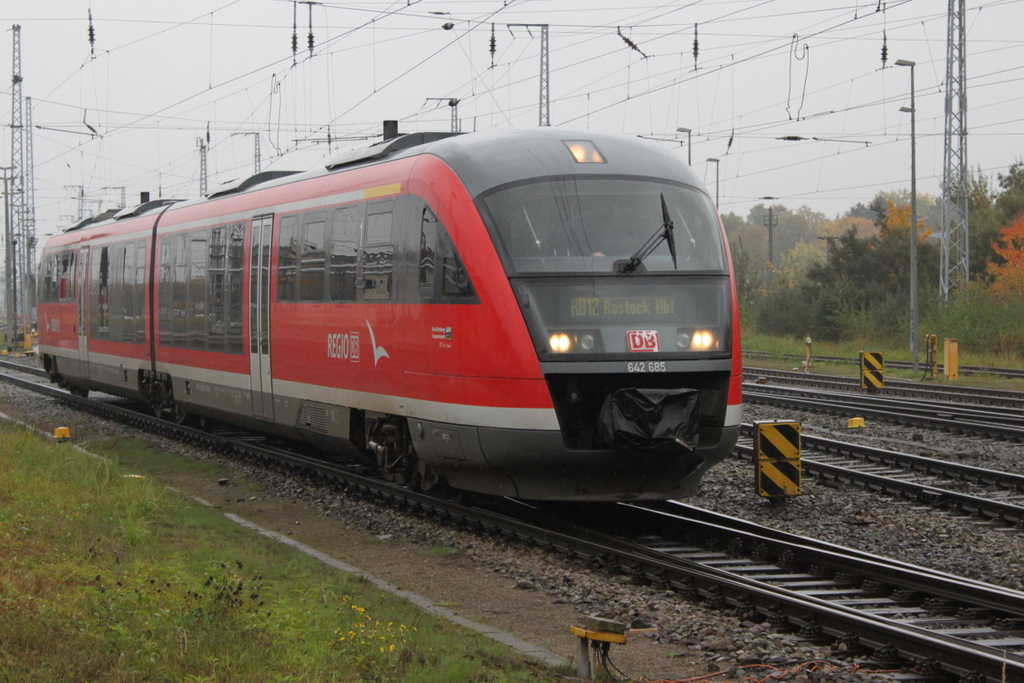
x,y
585,224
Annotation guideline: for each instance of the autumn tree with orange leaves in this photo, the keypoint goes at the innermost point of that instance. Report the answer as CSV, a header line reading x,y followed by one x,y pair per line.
x,y
1008,277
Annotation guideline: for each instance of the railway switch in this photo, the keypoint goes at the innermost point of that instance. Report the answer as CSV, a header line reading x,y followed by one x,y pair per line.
x,y
596,634
777,453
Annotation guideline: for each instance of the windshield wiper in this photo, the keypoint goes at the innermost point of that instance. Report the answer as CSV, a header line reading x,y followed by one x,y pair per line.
x,y
665,233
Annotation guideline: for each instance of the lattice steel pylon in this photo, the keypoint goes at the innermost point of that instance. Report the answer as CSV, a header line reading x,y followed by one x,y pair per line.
x,y
15,189
545,82
954,273
201,143
28,240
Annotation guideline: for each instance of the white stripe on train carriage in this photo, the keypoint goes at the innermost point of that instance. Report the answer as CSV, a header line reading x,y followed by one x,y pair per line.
x,y
734,415
543,419
436,411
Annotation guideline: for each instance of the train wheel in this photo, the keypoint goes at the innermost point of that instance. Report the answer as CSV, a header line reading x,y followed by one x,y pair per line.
x,y
79,391
390,443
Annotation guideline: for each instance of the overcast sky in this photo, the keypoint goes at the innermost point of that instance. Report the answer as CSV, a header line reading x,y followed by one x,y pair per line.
x,y
127,111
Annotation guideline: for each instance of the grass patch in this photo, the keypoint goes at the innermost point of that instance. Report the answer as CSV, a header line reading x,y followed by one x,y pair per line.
x,y
105,577
443,551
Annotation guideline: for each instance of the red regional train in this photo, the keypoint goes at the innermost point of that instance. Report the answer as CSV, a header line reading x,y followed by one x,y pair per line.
x,y
540,314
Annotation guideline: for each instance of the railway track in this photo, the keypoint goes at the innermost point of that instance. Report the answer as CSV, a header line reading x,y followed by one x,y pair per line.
x,y
901,364
866,604
989,421
893,388
924,601
986,496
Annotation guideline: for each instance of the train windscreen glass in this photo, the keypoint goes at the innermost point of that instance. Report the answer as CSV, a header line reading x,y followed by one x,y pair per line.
x,y
586,224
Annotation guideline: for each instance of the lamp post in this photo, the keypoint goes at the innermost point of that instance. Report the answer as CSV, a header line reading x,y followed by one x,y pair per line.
x,y
716,182
689,143
912,110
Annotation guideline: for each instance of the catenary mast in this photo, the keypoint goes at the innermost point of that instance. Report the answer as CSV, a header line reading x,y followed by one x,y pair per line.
x,y
955,269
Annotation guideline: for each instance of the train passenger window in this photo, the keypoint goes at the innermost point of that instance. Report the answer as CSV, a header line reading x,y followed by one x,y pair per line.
x,y
99,316
127,310
166,289
139,294
455,282
179,319
286,257
311,278
215,289
378,253
197,290
346,232
66,268
428,254
115,292
236,262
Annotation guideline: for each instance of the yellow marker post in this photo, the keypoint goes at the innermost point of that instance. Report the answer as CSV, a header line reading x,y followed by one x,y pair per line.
x,y
777,461
872,370
62,434
951,358
599,633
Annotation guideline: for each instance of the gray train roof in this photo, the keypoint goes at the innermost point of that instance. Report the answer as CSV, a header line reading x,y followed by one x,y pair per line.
x,y
482,161
490,159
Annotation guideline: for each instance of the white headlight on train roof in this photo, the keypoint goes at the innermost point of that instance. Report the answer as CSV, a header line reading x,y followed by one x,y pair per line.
x,y
702,341
560,342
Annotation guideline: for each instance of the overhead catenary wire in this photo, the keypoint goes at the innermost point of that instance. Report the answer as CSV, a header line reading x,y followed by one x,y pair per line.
x,y
735,125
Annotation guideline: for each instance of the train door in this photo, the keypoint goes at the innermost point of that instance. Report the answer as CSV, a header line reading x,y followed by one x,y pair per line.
x,y
83,311
259,317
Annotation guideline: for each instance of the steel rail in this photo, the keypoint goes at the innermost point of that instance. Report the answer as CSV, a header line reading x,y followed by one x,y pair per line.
x,y
904,388
717,586
944,421
901,364
994,511
993,414
910,463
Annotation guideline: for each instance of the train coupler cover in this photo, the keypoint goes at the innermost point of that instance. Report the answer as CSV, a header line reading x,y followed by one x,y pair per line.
x,y
651,420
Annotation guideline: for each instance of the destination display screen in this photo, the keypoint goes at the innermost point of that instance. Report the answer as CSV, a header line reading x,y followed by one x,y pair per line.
x,y
677,315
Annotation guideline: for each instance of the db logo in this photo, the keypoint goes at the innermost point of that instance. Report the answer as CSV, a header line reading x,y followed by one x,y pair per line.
x,y
643,340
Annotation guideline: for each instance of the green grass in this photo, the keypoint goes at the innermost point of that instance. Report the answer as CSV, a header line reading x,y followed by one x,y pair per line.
x,y
106,577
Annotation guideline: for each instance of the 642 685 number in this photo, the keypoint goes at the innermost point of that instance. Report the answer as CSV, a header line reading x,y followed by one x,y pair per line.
x,y
647,366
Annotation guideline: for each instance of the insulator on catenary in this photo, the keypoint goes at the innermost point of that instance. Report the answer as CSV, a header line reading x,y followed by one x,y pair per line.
x,y
696,46
885,49
92,36
494,45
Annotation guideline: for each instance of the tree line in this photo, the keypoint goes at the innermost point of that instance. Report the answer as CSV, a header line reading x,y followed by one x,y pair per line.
x,y
848,278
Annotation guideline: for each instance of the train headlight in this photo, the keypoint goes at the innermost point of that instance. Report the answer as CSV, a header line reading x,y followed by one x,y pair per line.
x,y
560,342
683,341
587,342
584,151
702,341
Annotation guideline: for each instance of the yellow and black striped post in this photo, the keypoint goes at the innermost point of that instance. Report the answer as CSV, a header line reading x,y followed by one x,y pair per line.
x,y
872,370
777,449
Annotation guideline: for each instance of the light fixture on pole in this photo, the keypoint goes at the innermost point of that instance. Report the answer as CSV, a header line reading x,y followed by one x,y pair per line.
x,y
689,145
912,110
716,181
